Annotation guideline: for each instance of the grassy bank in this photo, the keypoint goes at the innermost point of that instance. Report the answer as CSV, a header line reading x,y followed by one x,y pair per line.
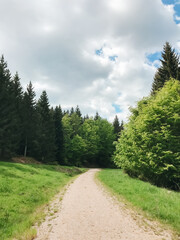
x,y
23,189
158,203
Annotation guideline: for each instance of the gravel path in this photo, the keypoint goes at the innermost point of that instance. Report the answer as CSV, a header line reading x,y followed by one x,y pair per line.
x,y
87,212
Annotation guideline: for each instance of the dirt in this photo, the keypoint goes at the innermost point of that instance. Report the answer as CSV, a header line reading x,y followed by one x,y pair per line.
x,y
88,212
25,160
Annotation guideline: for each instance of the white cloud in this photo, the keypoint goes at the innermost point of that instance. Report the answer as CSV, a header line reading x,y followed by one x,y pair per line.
x,y
53,44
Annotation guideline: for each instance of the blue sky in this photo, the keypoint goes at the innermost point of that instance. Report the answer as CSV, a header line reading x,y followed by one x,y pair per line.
x,y
170,1
177,13
117,108
154,57
176,6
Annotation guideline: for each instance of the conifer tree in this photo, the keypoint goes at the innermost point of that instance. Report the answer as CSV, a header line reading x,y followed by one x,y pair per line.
x,y
59,139
71,111
7,120
78,112
169,68
46,141
96,116
66,112
28,144
85,117
116,126
17,94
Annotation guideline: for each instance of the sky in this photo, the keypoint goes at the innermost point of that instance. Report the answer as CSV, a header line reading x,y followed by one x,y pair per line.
x,y
101,55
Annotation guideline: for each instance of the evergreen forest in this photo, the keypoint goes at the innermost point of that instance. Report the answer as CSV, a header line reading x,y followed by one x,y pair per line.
x,y
30,127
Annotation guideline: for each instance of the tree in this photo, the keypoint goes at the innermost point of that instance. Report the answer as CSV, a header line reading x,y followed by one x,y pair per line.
x,y
169,68
8,118
86,117
17,94
96,116
76,122
77,150
29,118
71,111
116,126
67,133
78,112
71,131
149,145
106,137
88,132
121,127
46,140
59,138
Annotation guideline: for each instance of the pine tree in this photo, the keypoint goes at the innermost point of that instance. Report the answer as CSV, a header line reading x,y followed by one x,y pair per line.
x,y
85,117
17,94
96,116
46,141
28,144
169,68
66,112
71,111
116,126
78,112
57,116
7,109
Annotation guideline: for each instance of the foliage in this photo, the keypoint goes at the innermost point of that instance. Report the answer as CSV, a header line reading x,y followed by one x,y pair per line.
x,y
105,132
46,138
88,132
117,127
149,145
29,125
34,129
158,203
59,138
169,68
9,116
88,143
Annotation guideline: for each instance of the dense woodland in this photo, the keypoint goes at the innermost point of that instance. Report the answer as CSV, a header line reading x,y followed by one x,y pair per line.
x,y
31,128
146,147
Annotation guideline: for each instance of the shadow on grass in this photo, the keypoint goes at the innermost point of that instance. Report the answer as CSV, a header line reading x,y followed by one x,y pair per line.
x,y
33,168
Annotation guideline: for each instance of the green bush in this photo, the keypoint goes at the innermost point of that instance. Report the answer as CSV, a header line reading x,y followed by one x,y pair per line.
x,y
149,146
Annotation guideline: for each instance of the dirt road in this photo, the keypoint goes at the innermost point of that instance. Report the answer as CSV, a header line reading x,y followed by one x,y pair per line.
x,y
87,212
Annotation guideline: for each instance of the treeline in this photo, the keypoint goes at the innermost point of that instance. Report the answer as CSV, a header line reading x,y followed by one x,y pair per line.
x,y
149,146
32,128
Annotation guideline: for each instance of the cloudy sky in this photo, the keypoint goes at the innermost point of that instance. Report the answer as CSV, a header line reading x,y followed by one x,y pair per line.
x,y
100,55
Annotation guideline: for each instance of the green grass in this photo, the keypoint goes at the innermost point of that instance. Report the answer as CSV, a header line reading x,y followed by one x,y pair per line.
x,y
24,189
158,203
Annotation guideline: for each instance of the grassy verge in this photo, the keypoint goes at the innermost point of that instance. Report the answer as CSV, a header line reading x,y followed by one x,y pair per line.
x,y
24,188
158,203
